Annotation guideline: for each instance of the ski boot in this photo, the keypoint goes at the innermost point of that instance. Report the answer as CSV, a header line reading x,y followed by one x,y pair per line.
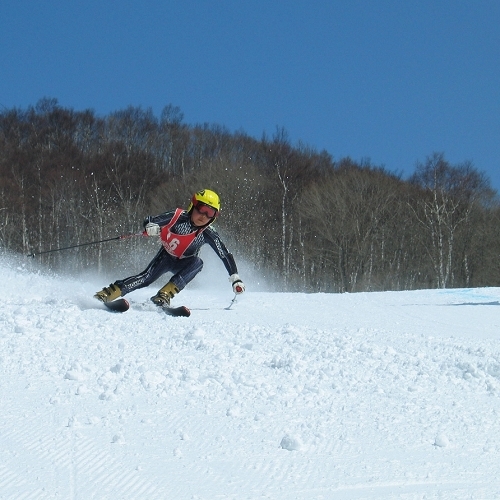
x,y
108,293
162,298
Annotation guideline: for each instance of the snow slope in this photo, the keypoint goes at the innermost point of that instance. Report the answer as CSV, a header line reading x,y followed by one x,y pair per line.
x,y
285,396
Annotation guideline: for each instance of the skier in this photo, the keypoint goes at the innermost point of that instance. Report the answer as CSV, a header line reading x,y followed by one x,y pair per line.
x,y
182,234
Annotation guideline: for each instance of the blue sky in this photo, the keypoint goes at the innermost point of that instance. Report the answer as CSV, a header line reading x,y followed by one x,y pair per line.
x,y
392,81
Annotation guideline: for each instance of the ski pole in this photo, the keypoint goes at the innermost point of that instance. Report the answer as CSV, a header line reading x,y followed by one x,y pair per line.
x,y
232,302
121,237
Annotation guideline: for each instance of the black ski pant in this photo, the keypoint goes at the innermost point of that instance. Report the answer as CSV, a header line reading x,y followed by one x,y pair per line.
x,y
183,270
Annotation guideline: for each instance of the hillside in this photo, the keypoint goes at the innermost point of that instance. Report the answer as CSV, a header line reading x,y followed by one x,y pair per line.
x,y
285,396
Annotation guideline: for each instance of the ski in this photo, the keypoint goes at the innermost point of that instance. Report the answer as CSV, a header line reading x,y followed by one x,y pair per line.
x,y
118,305
122,305
176,311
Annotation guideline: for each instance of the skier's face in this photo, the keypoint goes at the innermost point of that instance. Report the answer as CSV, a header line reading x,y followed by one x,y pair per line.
x,y
199,218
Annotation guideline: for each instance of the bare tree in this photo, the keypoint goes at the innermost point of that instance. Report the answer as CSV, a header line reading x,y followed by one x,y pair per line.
x,y
450,194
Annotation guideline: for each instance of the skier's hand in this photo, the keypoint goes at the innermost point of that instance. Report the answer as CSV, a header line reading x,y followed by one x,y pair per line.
x,y
152,229
238,286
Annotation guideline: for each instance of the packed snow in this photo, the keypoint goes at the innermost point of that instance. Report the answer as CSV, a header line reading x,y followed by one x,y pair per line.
x,y
392,395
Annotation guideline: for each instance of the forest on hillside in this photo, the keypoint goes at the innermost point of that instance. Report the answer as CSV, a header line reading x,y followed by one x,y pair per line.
x,y
300,218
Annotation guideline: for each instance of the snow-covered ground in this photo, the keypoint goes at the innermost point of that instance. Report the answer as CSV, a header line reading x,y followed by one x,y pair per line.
x,y
285,396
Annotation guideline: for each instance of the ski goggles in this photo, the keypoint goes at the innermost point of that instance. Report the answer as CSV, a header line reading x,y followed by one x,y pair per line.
x,y
206,210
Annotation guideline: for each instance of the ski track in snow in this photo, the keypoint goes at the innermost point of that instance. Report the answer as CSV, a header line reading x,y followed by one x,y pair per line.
x,y
391,395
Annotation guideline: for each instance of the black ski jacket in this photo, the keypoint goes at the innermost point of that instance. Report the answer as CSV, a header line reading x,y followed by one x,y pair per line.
x,y
206,235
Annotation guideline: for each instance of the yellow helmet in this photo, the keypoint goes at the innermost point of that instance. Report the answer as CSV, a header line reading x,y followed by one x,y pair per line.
x,y
206,197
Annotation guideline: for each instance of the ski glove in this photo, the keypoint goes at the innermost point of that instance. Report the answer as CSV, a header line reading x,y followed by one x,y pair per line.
x,y
152,229
238,286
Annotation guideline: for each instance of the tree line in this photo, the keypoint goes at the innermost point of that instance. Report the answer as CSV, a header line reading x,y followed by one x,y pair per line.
x,y
300,218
